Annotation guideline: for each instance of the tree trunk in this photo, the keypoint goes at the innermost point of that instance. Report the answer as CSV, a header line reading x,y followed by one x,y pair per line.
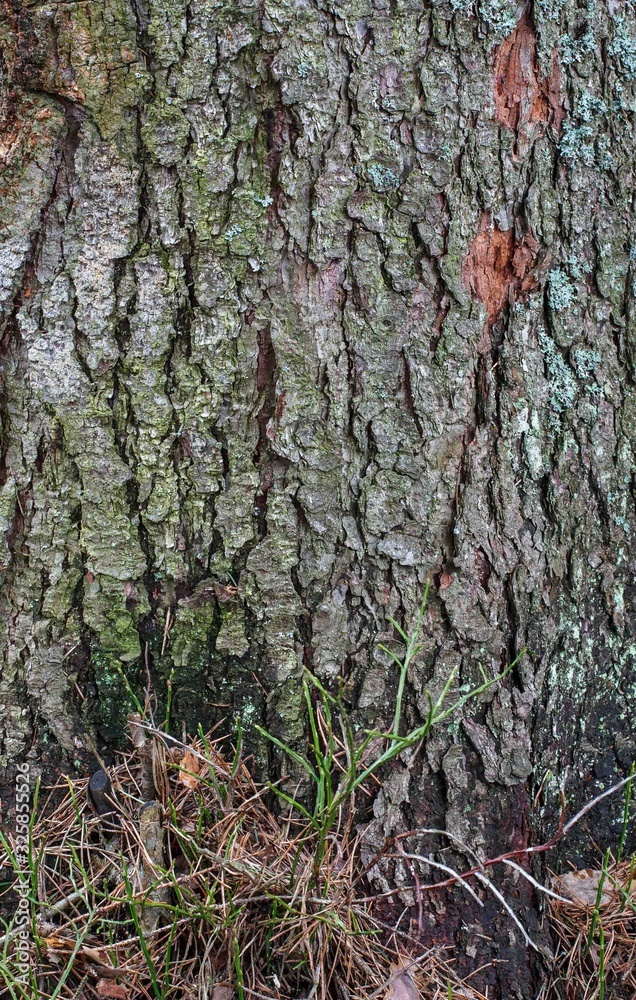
x,y
305,303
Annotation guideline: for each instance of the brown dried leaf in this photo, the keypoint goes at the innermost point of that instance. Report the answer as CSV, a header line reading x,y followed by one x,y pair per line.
x,y
107,988
582,887
93,954
55,943
98,955
190,769
401,983
221,991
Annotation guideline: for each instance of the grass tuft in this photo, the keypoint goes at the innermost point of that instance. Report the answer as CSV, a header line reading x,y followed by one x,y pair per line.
x,y
192,886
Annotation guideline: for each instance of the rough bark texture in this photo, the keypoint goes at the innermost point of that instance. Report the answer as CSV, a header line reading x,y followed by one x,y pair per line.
x,y
303,303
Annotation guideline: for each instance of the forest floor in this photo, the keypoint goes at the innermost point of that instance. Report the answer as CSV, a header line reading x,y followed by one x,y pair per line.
x,y
204,891
174,875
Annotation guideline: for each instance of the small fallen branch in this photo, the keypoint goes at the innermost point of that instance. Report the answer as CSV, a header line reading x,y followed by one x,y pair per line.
x,y
562,830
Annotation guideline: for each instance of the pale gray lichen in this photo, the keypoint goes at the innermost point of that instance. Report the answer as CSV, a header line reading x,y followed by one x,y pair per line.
x,y
586,362
561,291
603,152
632,260
577,143
575,49
563,387
264,201
623,48
589,107
578,268
584,136
232,231
499,16
550,9
383,178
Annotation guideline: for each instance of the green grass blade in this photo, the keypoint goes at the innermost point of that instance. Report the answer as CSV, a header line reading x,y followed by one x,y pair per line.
x,y
597,905
290,753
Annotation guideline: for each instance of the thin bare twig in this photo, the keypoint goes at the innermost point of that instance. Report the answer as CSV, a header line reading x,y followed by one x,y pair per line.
x,y
533,881
495,891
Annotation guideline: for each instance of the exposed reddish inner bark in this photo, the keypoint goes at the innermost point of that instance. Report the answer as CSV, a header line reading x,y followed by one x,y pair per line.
x,y
522,95
498,267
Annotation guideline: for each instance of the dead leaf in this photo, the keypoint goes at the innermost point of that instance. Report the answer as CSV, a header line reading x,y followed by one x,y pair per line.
x,y
98,955
221,991
107,988
190,769
582,887
401,983
55,943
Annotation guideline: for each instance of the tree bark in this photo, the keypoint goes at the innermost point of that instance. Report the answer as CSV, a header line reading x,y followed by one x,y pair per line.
x,y
303,304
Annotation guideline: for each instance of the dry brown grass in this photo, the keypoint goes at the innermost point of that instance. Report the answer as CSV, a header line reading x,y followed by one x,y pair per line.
x,y
209,895
595,926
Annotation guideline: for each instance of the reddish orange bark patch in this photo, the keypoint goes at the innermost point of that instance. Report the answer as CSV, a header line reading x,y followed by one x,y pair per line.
x,y
522,95
498,267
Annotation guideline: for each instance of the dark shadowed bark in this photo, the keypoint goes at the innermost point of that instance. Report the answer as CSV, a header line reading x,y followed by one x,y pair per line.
x,y
303,304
